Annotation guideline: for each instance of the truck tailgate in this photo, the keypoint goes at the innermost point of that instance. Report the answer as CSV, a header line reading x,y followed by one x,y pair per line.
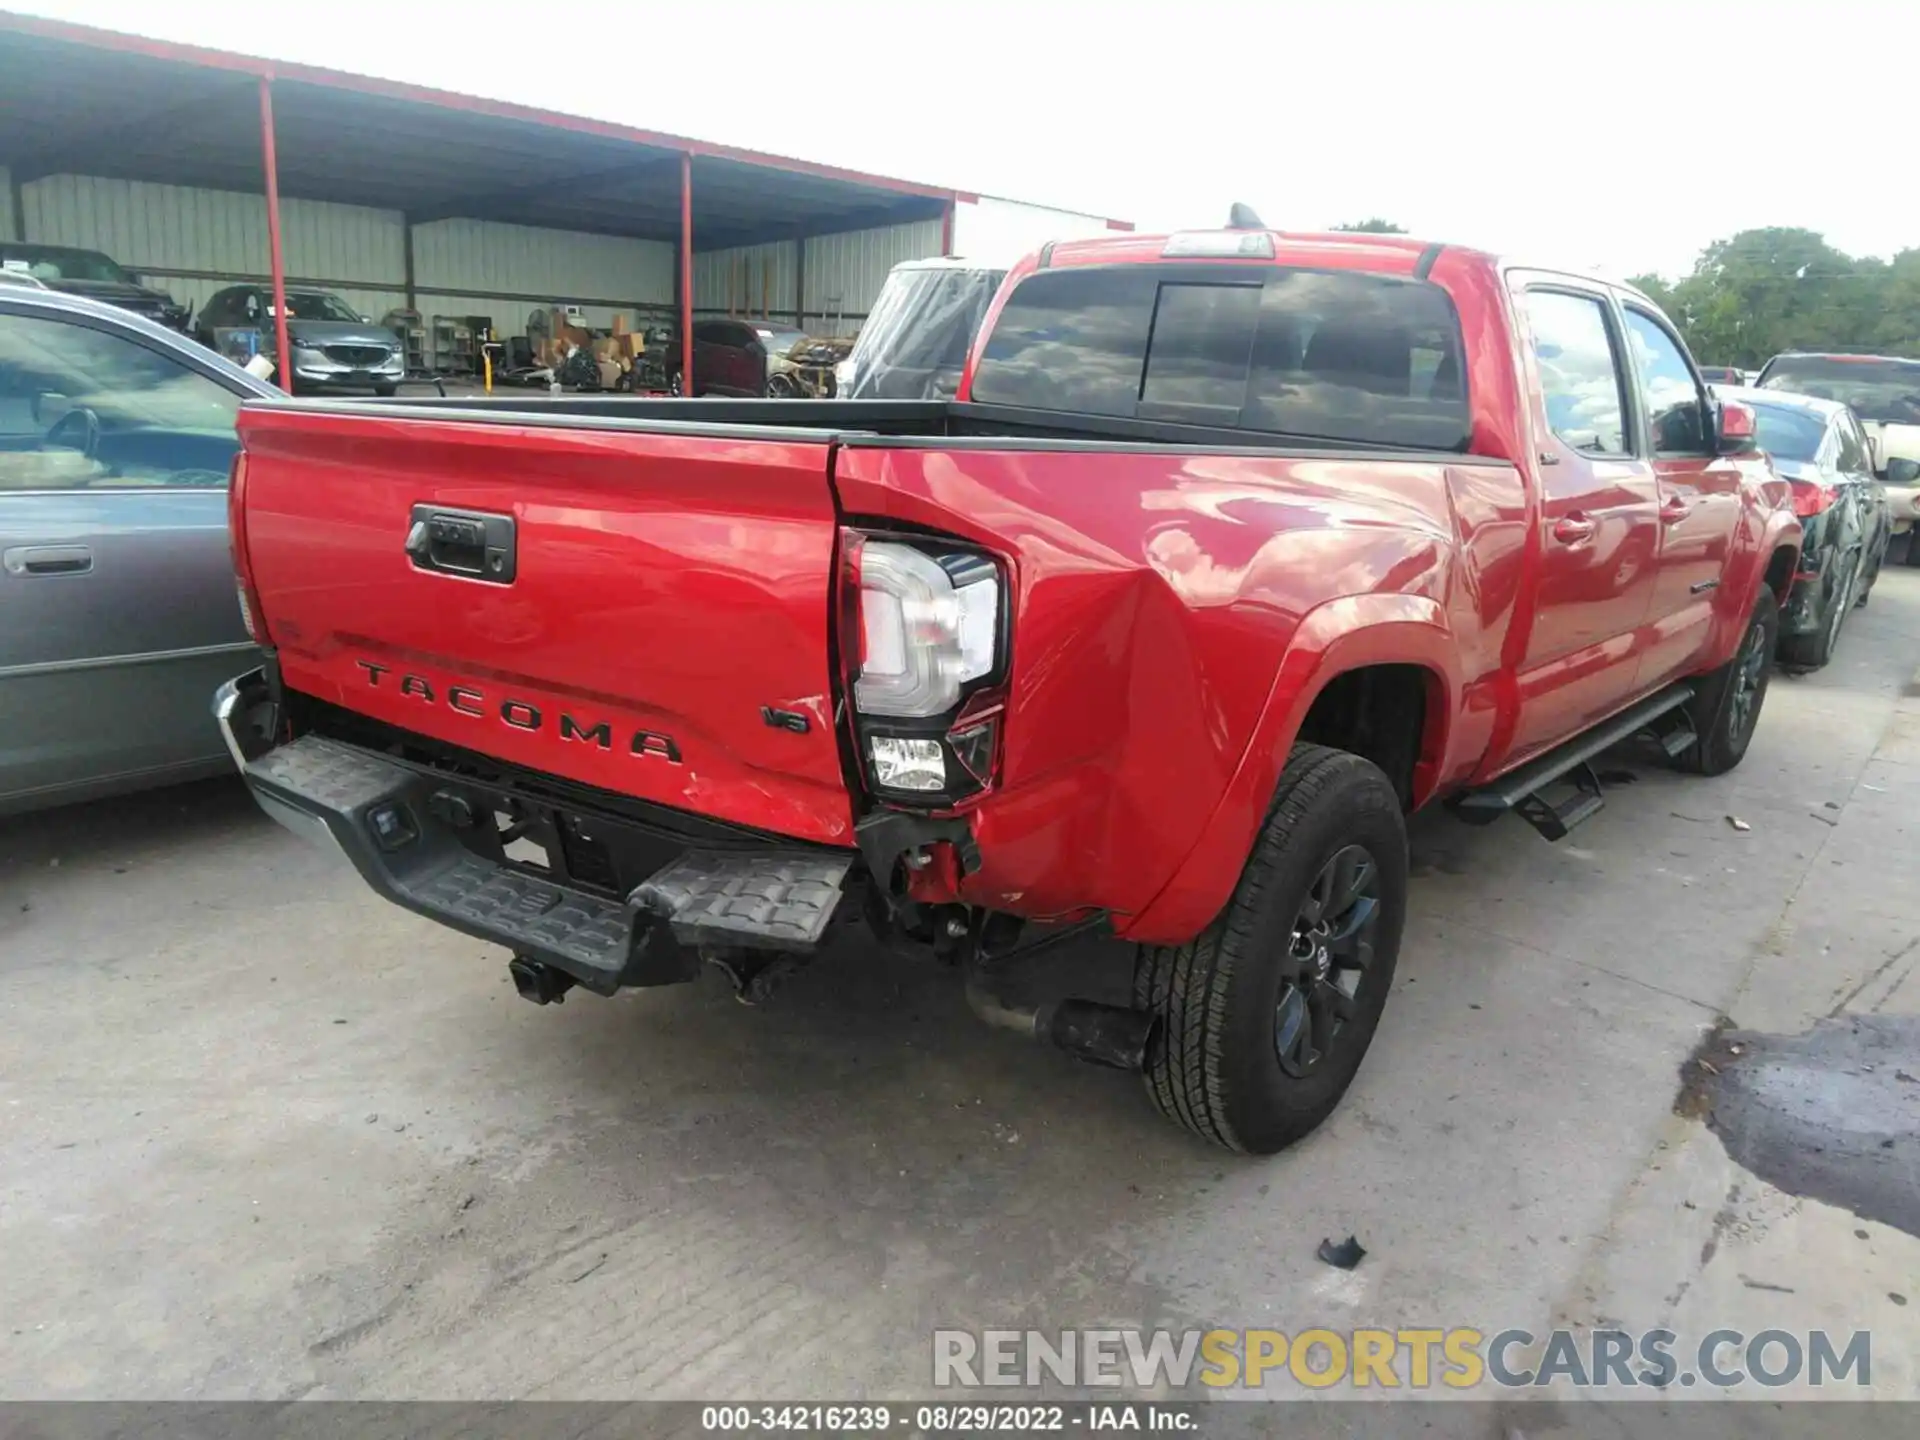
x,y
664,633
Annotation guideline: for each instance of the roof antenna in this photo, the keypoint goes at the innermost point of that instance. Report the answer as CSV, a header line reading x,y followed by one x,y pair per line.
x,y
1241,217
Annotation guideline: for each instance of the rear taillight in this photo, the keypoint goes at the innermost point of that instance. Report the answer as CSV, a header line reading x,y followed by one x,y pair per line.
x,y
250,613
1810,498
929,624
923,626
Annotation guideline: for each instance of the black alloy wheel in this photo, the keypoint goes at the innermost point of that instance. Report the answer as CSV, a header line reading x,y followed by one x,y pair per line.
x,y
1327,959
1749,671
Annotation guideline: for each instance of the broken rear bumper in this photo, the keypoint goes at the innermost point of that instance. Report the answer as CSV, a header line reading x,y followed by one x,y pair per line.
x,y
429,842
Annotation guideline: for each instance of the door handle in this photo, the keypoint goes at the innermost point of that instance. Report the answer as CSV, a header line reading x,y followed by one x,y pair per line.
x,y
28,561
1674,508
1574,529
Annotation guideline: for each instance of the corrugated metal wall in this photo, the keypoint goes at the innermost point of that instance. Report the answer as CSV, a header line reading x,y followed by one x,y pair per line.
x,y
746,280
193,242
507,270
843,276
220,236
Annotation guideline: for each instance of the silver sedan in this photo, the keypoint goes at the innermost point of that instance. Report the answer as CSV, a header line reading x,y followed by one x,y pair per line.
x,y
118,615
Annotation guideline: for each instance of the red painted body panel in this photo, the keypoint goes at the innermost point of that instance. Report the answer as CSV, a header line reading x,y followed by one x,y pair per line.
x,y
1174,612
671,585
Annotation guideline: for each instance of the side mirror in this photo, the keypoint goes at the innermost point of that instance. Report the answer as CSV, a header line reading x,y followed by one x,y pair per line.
x,y
1902,472
1739,429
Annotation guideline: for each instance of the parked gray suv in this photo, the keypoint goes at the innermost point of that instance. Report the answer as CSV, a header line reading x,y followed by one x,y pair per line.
x,y
333,348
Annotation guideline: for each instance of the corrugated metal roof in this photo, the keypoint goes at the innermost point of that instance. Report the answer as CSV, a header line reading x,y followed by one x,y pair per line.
x,y
85,101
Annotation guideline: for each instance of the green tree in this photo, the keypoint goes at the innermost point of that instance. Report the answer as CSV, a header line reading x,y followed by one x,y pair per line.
x,y
1374,225
1759,292
1655,289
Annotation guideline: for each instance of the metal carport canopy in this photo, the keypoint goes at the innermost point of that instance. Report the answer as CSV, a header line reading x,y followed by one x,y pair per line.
x,y
79,100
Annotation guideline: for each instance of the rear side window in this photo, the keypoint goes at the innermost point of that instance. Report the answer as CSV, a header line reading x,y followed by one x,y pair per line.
x,y
1343,357
1579,369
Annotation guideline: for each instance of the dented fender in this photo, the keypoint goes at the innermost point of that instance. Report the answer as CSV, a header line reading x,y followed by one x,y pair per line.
x,y
1337,637
1171,621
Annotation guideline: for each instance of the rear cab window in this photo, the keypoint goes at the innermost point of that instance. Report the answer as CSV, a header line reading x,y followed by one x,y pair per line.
x,y
1346,357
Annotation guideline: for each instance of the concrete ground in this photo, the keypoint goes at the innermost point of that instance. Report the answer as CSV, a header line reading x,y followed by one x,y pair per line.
x,y
266,1136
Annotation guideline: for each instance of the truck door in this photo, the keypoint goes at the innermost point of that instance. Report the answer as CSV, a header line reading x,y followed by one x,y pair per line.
x,y
1699,499
1598,515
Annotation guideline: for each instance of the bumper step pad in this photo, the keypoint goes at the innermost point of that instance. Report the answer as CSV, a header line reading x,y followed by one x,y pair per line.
x,y
500,900
766,900
378,813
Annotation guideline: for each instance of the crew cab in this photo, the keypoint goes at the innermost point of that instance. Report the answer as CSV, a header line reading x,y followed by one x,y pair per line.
x,y
1234,548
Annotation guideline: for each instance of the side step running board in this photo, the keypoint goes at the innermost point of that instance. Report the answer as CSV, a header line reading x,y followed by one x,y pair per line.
x,y
1525,790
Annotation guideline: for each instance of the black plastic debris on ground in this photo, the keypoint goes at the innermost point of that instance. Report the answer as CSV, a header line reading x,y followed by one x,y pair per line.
x,y
1344,1256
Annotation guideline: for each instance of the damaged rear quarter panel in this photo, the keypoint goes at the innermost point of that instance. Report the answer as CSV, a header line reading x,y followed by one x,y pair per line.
x,y
1154,598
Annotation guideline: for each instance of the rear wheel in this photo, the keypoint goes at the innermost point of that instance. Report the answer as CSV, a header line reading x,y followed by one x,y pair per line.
x,y
1810,652
1726,704
1265,1018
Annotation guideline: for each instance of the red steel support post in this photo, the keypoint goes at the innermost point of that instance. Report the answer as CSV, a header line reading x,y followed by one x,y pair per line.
x,y
283,355
686,274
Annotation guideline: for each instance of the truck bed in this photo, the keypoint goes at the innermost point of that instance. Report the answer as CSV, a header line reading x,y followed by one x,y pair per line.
x,y
852,420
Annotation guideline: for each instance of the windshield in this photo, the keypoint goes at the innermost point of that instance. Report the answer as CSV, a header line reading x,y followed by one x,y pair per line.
x,y
1787,433
318,305
778,342
914,343
52,263
1884,390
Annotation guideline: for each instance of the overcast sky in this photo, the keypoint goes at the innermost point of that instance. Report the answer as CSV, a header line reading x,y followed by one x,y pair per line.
x,y
1586,132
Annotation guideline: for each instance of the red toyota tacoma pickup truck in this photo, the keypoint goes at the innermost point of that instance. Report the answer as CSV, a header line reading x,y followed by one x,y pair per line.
x,y
1235,548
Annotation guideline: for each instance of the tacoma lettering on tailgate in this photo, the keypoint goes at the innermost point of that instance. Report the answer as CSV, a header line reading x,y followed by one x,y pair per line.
x,y
522,714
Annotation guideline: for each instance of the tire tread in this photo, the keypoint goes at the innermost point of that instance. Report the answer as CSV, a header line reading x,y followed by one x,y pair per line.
x,y
1189,985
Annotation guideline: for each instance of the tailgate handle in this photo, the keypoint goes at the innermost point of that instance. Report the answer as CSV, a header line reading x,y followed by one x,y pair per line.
x,y
469,543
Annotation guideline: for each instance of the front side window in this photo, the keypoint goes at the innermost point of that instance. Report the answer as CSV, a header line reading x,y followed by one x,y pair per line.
x,y
1675,413
1343,357
1579,367
81,407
